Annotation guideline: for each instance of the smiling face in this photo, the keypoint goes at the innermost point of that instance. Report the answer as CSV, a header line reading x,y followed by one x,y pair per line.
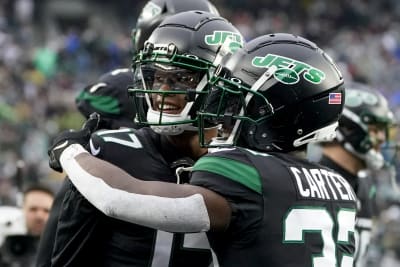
x,y
172,85
167,95
170,95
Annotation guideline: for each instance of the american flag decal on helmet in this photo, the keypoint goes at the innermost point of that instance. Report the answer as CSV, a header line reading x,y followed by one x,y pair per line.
x,y
335,98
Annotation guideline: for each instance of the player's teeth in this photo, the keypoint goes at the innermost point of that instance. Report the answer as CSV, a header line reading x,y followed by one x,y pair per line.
x,y
167,107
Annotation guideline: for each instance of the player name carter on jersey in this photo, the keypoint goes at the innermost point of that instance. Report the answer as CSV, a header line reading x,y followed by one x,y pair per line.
x,y
321,184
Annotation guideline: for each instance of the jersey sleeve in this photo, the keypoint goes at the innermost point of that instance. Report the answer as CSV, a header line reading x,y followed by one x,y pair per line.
x,y
97,145
119,147
234,178
96,179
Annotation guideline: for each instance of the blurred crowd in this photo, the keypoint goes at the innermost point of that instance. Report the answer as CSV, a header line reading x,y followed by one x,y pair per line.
x,y
43,64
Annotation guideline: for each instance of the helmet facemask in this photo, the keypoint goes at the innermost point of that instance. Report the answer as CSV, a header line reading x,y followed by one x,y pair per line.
x,y
171,85
176,61
226,106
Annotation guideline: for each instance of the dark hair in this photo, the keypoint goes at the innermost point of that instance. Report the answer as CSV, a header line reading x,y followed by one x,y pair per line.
x,y
40,188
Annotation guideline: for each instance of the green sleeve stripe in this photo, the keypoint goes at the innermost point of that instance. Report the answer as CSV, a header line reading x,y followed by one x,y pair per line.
x,y
234,170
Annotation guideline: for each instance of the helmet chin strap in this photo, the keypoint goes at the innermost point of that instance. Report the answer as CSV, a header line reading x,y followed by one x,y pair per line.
x,y
168,129
176,129
169,120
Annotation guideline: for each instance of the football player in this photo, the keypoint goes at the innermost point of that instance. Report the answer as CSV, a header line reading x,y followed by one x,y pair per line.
x,y
108,96
356,151
174,62
261,202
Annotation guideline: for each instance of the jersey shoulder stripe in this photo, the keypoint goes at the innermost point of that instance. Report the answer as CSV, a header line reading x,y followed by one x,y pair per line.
x,y
231,169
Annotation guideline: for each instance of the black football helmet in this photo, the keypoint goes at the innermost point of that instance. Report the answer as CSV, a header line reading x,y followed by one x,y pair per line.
x,y
176,60
278,93
108,96
156,11
364,107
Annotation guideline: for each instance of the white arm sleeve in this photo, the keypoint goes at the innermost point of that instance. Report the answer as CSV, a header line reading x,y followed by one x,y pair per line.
x,y
188,214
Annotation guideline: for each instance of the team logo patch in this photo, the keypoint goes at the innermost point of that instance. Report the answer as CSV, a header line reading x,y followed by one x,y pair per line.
x,y
287,76
335,98
219,37
289,70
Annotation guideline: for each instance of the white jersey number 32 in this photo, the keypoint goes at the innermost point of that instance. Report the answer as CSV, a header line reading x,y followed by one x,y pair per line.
x,y
299,221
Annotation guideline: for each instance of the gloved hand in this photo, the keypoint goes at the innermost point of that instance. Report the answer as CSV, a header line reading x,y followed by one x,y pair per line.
x,y
69,137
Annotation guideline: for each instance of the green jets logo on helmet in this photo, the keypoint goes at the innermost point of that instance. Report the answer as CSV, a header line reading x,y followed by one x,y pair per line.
x,y
289,70
287,76
219,37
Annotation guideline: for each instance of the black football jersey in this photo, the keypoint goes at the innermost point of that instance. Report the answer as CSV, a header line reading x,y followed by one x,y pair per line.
x,y
365,191
285,211
84,233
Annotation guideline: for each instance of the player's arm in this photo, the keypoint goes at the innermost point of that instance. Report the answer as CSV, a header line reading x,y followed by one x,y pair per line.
x,y
165,206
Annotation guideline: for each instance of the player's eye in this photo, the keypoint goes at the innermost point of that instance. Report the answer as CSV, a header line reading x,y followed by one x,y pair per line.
x,y
186,78
158,78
